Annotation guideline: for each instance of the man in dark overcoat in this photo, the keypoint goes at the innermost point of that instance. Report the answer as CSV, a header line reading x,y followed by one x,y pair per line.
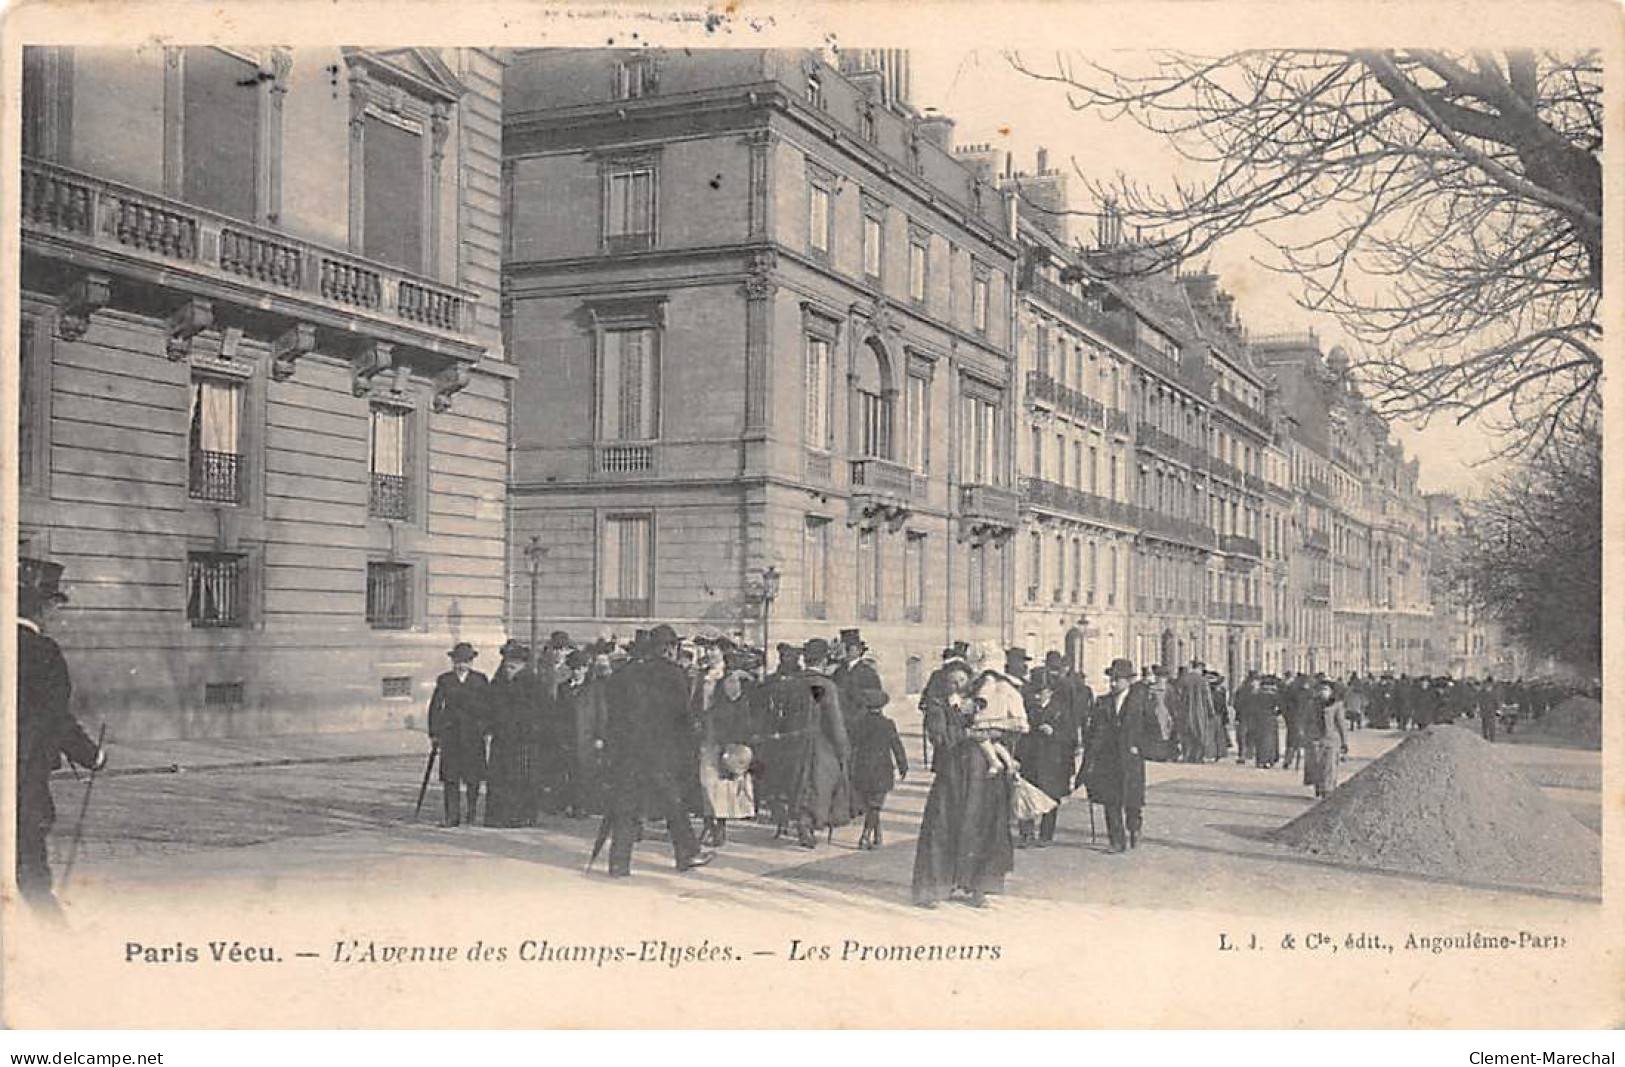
x,y
458,729
47,732
647,736
856,679
1049,750
814,751
1121,724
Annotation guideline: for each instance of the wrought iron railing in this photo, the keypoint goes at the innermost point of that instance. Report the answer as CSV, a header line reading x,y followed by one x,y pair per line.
x,y
215,477
387,498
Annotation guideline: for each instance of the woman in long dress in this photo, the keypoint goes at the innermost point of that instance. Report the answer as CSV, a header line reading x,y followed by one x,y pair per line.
x,y
1325,742
726,786
514,712
965,845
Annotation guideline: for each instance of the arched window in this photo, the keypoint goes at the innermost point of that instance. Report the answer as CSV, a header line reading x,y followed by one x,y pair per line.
x,y
875,395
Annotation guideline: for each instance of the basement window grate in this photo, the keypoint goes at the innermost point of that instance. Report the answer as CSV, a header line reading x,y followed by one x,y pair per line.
x,y
397,686
223,696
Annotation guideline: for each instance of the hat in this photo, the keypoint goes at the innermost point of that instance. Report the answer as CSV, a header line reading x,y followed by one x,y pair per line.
x,y
559,639
1052,657
816,648
785,648
40,578
1159,671
462,652
663,635
852,638
1120,668
1019,655
517,651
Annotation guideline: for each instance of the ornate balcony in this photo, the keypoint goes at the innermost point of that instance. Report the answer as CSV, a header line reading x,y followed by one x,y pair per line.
x,y
1116,327
1041,388
988,511
881,491
1243,410
1237,545
387,497
1037,492
201,269
215,477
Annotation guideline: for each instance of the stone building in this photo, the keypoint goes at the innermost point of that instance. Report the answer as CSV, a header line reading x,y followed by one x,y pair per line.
x,y
264,402
761,311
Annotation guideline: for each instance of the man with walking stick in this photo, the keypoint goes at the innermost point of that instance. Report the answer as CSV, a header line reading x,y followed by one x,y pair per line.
x,y
46,731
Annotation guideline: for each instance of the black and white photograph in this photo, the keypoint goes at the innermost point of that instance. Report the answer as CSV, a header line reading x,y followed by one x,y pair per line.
x,y
796,517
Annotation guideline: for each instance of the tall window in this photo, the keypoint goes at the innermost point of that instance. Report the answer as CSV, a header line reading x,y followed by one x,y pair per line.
x,y
873,246
1035,565
215,459
1111,575
628,567
386,459
976,583
815,89
874,424
389,596
634,78
629,384
916,271
1094,573
629,207
1060,567
979,441
1042,344
869,573
1038,452
818,379
214,589
1077,569
918,412
1077,465
866,125
815,566
392,193
1113,486
914,576
220,132
978,303
1094,469
820,220
1060,457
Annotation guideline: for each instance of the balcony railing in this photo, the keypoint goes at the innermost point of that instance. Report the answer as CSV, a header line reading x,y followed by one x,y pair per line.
x,y
1045,389
1228,471
989,505
387,498
624,458
1237,545
215,477
1116,327
1318,540
1116,420
1041,493
1318,591
1253,483
174,235
881,476
1245,411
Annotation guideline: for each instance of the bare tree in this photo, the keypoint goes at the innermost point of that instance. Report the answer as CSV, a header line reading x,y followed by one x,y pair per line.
x,y
1447,209
1531,551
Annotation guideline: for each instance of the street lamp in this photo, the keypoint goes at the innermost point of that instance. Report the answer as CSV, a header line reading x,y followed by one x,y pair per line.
x,y
770,593
535,552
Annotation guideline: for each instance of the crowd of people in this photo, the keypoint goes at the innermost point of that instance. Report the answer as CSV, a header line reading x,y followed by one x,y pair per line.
x,y
660,727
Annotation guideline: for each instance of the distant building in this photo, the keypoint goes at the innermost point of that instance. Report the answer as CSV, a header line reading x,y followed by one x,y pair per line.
x,y
263,395
762,316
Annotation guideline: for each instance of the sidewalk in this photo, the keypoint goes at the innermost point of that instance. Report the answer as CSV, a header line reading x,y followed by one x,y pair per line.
x,y
207,754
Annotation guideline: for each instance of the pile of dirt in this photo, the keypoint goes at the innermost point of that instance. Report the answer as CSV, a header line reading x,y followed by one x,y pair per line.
x,y
1444,803
1577,720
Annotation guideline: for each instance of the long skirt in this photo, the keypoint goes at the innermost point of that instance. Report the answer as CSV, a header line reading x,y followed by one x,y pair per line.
x,y
725,798
964,840
1266,739
1320,758
512,778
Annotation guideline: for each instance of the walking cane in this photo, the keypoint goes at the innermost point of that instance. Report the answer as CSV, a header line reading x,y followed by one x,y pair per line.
x,y
1091,822
84,806
434,750
598,842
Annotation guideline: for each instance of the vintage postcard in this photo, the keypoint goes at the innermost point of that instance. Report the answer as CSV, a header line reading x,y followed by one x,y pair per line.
x,y
924,515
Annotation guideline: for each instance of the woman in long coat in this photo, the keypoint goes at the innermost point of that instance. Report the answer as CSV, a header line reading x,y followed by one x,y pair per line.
x,y
514,708
965,844
808,751
1324,741
726,790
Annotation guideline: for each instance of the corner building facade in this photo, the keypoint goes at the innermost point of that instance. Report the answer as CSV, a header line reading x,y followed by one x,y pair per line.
x,y
262,391
762,315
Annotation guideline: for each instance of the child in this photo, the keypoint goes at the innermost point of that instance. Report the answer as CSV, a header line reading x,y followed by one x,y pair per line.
x,y
997,708
875,749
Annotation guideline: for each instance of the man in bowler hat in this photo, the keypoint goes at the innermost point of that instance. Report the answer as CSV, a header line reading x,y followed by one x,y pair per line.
x,y
46,731
1121,725
457,726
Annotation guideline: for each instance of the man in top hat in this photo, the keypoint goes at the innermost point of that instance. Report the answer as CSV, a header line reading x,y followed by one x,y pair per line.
x,y
812,749
855,677
457,726
647,734
1121,726
47,732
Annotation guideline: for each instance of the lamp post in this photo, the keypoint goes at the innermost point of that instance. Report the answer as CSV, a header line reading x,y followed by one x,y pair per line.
x,y
770,593
535,552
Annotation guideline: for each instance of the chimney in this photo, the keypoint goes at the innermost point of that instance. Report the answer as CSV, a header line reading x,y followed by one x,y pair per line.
x,y
938,129
1043,160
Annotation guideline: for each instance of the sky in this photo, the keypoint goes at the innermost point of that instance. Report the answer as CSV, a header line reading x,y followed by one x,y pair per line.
x,y
992,103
